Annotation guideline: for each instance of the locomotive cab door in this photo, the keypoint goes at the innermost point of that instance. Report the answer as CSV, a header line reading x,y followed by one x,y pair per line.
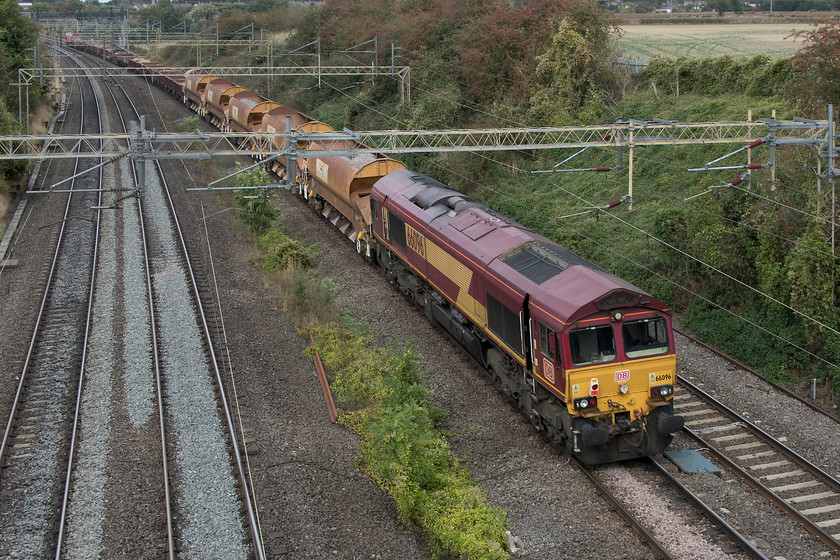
x,y
547,356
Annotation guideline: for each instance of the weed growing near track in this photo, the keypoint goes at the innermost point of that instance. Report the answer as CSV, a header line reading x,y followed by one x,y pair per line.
x,y
402,448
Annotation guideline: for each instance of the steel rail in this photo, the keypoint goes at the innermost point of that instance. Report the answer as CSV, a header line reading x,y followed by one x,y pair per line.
x,y
730,531
628,516
170,533
259,551
243,479
762,489
790,453
779,447
37,328
167,491
257,540
62,521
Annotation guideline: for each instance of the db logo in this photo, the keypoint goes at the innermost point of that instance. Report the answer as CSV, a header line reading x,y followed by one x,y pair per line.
x,y
622,376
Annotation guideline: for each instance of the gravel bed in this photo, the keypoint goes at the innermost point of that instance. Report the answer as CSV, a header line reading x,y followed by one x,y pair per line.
x,y
679,531
207,517
87,501
86,508
33,476
804,430
138,363
116,507
769,529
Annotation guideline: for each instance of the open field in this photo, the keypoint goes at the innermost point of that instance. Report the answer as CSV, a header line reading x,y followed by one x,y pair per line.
x,y
646,41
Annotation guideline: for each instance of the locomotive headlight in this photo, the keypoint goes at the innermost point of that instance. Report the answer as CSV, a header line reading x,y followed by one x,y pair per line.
x,y
617,316
585,402
661,391
623,388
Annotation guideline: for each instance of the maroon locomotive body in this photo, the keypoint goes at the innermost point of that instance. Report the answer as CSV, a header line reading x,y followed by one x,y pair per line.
x,y
588,356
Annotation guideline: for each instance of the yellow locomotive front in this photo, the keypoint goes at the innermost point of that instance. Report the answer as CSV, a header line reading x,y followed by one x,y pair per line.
x,y
620,384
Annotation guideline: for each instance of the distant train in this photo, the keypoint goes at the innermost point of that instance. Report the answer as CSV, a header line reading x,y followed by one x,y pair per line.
x,y
588,357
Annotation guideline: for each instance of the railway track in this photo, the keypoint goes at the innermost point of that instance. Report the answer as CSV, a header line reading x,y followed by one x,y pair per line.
x,y
40,433
79,472
806,493
165,247
654,503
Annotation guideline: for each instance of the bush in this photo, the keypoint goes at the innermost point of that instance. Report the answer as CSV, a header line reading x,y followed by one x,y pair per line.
x,y
403,450
281,252
258,212
308,297
759,75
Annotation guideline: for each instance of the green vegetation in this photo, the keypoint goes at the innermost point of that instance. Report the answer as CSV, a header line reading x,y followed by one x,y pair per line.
x,y
730,260
281,252
383,397
278,251
259,214
403,450
17,42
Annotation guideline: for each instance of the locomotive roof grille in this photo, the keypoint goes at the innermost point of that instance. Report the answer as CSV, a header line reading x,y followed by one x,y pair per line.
x,y
539,261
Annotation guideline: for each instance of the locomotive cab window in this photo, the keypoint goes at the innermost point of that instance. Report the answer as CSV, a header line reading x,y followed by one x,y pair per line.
x,y
648,337
547,342
592,345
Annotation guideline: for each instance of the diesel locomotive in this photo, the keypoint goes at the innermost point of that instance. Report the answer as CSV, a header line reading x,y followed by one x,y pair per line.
x,y
587,356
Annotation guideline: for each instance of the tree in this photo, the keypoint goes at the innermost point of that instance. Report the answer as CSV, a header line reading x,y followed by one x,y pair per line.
x,y
571,77
721,6
817,65
168,15
16,31
199,17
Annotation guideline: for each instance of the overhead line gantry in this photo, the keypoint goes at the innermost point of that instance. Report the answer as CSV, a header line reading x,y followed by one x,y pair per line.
x,y
618,135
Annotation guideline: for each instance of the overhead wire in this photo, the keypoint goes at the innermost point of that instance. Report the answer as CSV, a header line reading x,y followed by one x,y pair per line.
x,y
710,266
707,300
634,227
699,261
